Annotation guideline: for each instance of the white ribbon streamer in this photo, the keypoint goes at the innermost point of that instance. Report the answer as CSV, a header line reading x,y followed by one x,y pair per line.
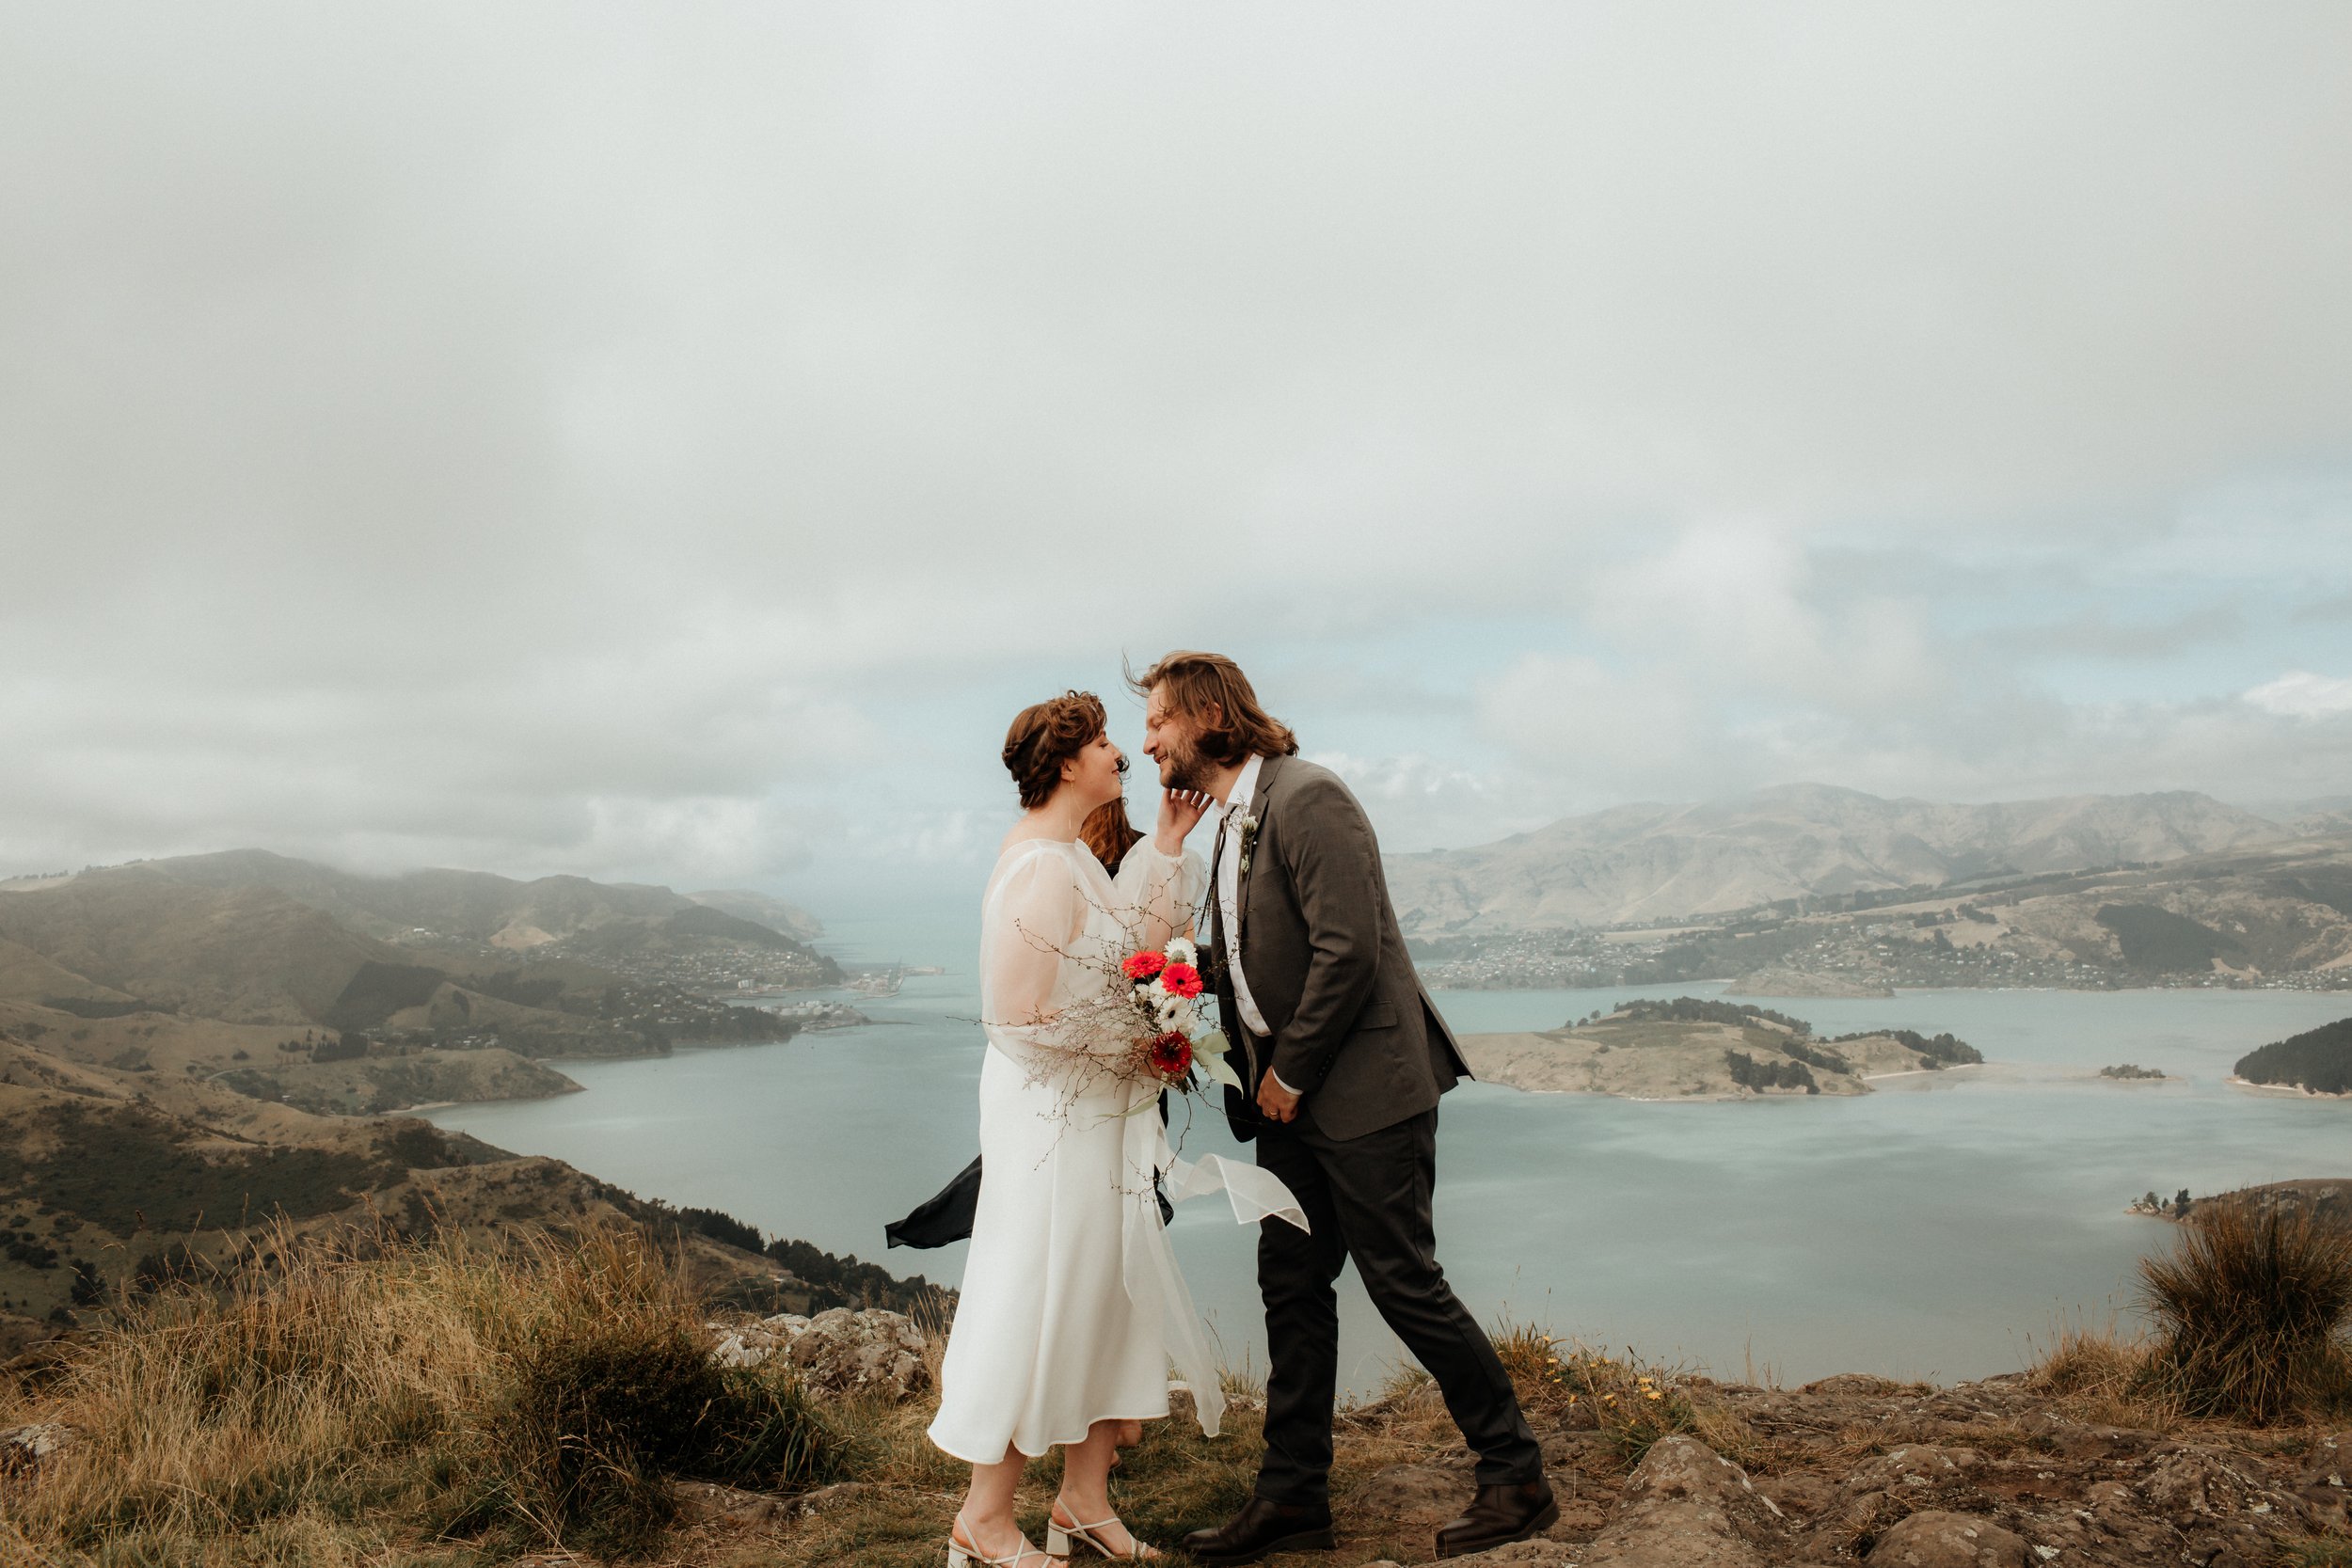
x,y
1148,1259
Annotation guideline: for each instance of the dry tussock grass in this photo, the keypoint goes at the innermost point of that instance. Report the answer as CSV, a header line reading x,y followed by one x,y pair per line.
x,y
328,1403
2251,1306
2250,1310
2099,1374
1632,1401
456,1402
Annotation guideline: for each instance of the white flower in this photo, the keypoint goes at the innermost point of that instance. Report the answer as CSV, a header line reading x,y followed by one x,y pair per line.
x,y
1182,951
1158,990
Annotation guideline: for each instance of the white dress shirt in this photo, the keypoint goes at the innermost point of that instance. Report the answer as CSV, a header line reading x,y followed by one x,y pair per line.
x,y
1229,901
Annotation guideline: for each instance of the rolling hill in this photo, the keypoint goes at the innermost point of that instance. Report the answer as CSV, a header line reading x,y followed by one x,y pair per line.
x,y
297,982
1642,863
468,906
193,1048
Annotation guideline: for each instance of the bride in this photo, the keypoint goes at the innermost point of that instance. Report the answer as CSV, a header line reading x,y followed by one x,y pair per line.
x,y
1071,1307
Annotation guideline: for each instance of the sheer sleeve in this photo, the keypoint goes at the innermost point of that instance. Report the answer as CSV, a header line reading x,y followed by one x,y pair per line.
x,y
1035,919
1162,891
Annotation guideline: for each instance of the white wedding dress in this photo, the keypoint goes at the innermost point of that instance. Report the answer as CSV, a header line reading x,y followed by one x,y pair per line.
x,y
1071,1308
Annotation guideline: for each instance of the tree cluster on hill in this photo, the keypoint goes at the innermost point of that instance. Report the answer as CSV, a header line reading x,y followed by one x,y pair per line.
x,y
1816,1056
130,1169
831,1281
1694,1009
2156,938
2318,1059
1936,1051
1749,1074
847,1281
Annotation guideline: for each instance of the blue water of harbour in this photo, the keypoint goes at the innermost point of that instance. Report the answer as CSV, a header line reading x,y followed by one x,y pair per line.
x,y
1937,1228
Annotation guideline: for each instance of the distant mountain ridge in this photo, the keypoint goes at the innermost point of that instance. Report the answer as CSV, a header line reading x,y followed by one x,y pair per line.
x,y
1657,862
249,937
774,913
479,905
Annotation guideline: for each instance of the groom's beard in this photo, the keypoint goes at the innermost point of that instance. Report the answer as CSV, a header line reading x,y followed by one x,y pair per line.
x,y
1184,768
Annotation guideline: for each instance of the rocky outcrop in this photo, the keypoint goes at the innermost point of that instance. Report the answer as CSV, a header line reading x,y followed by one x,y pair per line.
x,y
23,1450
838,1352
1686,1506
1939,1540
1857,1469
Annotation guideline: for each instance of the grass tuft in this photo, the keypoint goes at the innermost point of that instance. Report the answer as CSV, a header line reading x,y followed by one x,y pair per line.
x,y
1632,1403
543,1392
2103,1376
2250,1306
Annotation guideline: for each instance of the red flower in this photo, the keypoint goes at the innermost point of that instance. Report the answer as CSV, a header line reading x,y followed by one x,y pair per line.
x,y
1171,1055
1181,980
1143,965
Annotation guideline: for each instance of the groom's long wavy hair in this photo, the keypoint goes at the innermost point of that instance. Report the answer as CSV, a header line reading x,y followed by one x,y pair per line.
x,y
1210,689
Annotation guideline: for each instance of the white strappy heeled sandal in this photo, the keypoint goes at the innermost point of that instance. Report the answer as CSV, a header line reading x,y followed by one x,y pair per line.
x,y
1058,1536
962,1556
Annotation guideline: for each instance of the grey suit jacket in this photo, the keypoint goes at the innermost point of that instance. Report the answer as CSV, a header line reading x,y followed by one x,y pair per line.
x,y
1353,1032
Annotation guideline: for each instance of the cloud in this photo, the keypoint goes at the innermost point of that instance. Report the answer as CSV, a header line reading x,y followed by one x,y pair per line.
x,y
1626,732
2300,694
562,436
2098,634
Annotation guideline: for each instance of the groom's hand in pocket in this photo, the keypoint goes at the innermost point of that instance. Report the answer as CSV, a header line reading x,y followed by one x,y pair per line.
x,y
1276,1102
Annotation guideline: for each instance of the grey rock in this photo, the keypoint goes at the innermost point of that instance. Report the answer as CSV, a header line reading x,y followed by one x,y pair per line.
x,y
1685,1506
1936,1539
1887,1486
1913,1465
2325,1486
838,1352
25,1449
2194,1483
1852,1383
703,1502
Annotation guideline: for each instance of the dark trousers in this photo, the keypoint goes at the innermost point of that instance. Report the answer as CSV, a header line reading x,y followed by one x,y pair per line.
x,y
1368,1199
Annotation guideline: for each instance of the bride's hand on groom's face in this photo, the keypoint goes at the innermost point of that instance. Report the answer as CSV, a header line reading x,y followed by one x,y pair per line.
x,y
1180,810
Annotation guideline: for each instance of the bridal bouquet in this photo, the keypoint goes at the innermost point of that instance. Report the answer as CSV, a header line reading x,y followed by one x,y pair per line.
x,y
1163,989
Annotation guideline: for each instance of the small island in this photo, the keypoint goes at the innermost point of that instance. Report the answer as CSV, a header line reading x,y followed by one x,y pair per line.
x,y
2125,1072
1695,1048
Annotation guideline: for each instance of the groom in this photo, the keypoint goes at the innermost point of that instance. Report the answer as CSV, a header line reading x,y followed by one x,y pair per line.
x,y
1343,1058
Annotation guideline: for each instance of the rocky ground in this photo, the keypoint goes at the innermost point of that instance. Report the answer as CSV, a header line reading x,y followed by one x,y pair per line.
x,y
1658,1472
1981,1474
1996,1473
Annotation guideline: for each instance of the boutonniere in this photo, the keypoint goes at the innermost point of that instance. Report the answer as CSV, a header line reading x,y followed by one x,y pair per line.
x,y
1249,826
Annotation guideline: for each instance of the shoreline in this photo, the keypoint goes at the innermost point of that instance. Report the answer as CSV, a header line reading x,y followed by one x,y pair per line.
x,y
1733,988
2284,1091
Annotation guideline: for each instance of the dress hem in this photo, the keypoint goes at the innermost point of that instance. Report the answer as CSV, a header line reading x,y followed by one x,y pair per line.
x,y
1159,1415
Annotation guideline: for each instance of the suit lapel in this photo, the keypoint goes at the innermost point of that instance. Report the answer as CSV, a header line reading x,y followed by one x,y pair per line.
x,y
1269,771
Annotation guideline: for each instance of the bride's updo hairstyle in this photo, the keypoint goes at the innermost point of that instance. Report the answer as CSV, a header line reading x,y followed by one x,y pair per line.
x,y
1046,734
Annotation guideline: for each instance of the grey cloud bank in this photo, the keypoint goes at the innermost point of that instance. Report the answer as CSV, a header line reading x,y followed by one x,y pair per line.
x,y
669,443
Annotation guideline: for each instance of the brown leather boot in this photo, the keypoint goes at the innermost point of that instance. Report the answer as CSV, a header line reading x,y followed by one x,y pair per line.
x,y
1260,1529
1499,1516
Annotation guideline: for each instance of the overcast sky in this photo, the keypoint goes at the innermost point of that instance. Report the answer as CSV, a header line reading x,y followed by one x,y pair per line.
x,y
669,442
